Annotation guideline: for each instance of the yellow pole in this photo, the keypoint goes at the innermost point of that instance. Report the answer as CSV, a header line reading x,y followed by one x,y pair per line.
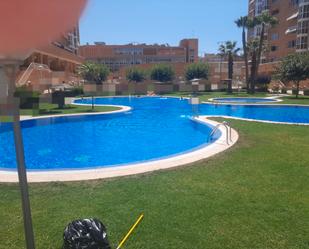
x,y
130,231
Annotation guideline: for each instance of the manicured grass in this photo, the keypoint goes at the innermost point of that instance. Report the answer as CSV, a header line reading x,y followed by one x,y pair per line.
x,y
302,100
256,195
52,109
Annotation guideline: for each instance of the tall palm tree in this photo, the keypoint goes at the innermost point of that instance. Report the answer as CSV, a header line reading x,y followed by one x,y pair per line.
x,y
229,50
252,50
242,22
266,20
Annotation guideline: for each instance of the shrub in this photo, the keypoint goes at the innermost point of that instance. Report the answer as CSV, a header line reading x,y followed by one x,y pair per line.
x,y
163,73
197,71
136,74
29,99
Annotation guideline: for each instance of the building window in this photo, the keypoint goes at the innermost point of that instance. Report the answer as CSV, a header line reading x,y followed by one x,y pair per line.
x,y
294,2
302,43
274,48
274,36
292,44
275,12
304,11
260,6
303,27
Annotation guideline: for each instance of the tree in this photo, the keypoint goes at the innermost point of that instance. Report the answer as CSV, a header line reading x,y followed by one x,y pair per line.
x,y
295,68
94,73
136,74
197,71
162,73
252,49
244,23
265,20
229,50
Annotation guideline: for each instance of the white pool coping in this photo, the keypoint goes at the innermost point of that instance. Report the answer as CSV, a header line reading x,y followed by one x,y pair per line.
x,y
255,120
207,151
121,110
217,100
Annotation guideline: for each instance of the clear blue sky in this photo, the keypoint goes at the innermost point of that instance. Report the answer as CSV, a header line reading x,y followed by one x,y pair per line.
x,y
162,21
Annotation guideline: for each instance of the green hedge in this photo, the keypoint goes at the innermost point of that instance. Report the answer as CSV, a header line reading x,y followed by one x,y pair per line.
x,y
29,99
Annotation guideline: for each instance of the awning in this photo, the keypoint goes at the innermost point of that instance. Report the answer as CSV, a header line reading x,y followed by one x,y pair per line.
x,y
291,30
295,15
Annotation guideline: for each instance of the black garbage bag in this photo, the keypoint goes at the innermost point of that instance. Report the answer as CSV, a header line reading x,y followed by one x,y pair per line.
x,y
85,234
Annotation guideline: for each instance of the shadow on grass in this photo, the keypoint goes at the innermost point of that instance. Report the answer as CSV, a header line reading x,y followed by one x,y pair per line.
x,y
65,108
46,112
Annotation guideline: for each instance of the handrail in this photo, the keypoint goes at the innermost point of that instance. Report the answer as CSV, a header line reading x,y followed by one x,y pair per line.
x,y
25,76
228,132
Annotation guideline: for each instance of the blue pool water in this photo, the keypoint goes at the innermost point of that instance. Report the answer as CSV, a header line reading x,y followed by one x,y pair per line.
x,y
154,128
244,100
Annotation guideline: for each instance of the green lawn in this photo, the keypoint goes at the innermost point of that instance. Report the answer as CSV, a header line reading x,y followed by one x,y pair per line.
x,y
205,96
51,109
254,196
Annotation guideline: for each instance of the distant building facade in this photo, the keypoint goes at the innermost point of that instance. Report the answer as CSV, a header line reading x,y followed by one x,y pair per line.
x,y
119,56
218,65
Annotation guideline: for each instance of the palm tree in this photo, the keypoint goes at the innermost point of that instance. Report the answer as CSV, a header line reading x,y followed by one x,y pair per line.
x,y
242,22
252,51
229,50
265,20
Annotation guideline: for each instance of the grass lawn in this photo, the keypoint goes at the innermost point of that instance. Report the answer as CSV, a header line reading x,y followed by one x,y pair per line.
x,y
50,109
254,196
302,100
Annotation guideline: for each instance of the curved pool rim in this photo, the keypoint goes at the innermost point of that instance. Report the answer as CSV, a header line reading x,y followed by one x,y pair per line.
x,y
233,100
67,175
276,98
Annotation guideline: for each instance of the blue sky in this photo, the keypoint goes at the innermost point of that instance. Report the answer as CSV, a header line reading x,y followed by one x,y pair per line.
x,y
162,21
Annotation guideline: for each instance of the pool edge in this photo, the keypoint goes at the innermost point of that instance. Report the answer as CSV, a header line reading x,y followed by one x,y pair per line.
x,y
133,169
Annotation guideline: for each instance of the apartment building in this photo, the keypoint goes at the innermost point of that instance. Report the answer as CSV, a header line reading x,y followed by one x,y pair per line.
x,y
69,41
291,34
119,56
59,57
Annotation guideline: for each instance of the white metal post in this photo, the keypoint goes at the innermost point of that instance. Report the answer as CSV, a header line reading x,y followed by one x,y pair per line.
x,y
9,70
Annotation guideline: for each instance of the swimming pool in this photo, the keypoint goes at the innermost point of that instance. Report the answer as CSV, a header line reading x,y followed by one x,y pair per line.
x,y
155,128
244,100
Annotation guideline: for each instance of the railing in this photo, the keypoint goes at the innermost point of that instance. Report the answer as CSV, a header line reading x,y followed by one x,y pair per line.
x,y
33,66
228,132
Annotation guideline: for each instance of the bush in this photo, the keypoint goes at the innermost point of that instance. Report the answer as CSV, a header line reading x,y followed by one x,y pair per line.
x,y
262,82
136,74
306,92
29,99
76,91
197,71
163,73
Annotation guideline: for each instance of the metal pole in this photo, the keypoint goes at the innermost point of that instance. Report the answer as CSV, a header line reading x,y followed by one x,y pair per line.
x,y
10,73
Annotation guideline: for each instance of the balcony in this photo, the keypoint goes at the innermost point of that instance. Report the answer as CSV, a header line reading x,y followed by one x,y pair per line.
x,y
291,30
